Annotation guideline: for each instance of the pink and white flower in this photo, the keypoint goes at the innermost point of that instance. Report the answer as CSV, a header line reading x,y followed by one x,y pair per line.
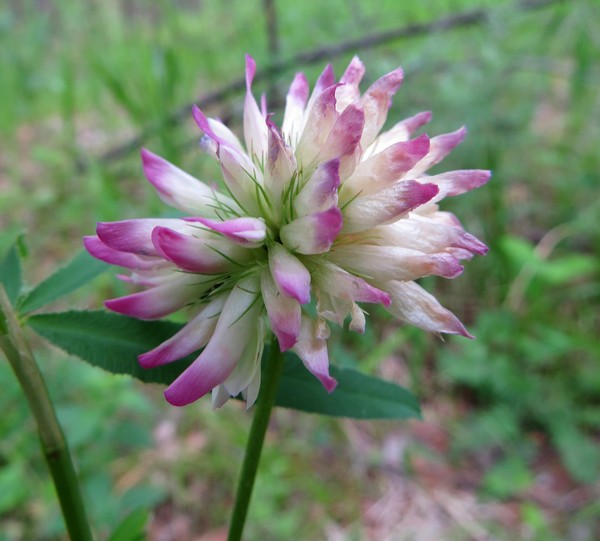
x,y
325,209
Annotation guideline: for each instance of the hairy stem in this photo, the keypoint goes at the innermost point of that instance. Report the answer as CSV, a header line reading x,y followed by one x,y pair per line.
x,y
52,440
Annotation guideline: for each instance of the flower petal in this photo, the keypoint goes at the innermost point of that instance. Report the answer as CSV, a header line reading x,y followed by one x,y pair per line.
x,y
290,275
283,312
320,119
376,102
123,259
219,397
313,353
348,92
249,364
340,283
400,132
281,165
344,136
241,178
354,72
413,304
440,147
424,235
135,236
247,232
194,335
358,321
250,393
150,278
313,234
216,130
387,205
324,82
178,189
294,109
255,127
198,254
383,263
386,167
235,328
161,300
457,182
320,191
332,308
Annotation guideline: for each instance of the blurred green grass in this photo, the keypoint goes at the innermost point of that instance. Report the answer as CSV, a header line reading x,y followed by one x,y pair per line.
x,y
79,78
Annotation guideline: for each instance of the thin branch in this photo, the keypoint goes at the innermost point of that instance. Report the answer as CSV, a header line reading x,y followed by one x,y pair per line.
x,y
273,43
272,28
451,22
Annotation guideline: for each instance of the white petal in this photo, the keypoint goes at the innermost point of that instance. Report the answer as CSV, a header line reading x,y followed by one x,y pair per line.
x,y
313,353
237,326
290,275
283,312
294,109
255,127
383,263
413,304
386,206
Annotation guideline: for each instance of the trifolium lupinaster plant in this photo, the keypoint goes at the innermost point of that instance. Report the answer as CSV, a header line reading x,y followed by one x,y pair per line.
x,y
326,209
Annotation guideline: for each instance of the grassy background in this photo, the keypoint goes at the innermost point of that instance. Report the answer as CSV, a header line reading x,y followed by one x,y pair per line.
x,y
509,445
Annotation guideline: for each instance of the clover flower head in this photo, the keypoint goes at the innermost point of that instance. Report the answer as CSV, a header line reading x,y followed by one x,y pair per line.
x,y
324,208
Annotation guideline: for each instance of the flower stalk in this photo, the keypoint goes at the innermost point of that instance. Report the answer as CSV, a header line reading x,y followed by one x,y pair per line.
x,y
260,422
54,445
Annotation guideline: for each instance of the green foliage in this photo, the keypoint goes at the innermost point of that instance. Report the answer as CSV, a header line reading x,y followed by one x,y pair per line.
x,y
80,77
113,342
525,374
508,478
13,492
94,427
110,341
132,527
537,524
79,271
523,256
579,450
357,395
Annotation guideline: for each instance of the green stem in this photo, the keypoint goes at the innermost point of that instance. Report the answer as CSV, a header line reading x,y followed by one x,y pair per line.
x,y
266,399
52,440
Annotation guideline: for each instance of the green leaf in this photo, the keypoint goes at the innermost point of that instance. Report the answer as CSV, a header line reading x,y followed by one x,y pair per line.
x,y
132,527
569,267
119,91
555,271
13,492
357,395
10,273
508,477
113,342
110,341
77,272
578,451
519,251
